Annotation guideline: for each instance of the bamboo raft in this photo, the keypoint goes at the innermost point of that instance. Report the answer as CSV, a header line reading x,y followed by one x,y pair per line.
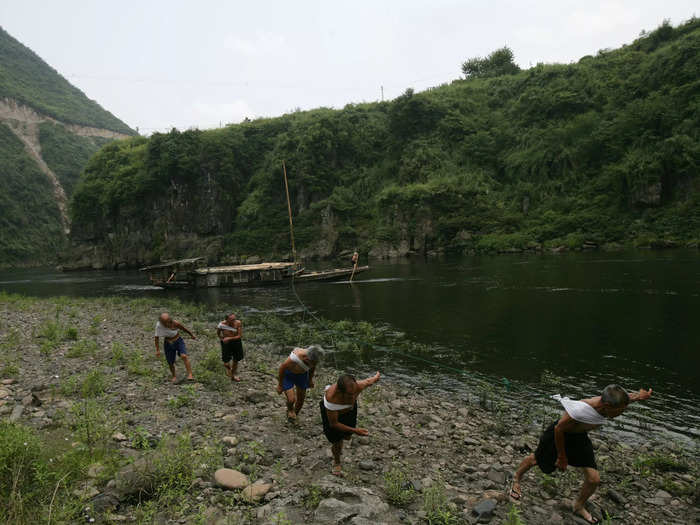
x,y
185,273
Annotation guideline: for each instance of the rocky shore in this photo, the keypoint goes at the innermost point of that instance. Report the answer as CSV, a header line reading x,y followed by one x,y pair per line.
x,y
83,373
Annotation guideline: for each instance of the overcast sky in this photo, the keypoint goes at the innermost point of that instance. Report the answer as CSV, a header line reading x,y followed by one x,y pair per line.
x,y
157,64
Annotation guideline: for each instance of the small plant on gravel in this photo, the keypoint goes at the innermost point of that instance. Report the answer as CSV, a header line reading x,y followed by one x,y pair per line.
x,y
661,463
438,511
82,348
118,354
91,423
93,384
136,364
70,386
186,399
548,483
513,517
398,486
313,497
281,519
9,369
139,438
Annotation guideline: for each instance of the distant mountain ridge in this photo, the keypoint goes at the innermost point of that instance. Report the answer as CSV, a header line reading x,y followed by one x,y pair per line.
x,y
48,131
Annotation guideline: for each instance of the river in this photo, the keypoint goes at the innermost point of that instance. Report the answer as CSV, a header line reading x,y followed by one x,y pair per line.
x,y
588,319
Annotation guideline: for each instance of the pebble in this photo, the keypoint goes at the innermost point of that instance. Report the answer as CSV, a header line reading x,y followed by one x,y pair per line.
x,y
231,479
118,436
256,491
16,413
230,440
616,497
366,465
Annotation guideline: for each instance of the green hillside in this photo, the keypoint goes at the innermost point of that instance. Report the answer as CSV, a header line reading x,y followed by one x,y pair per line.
x,y
25,77
30,218
600,152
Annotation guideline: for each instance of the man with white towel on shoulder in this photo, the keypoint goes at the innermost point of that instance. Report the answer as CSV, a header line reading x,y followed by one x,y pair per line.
x,y
230,333
566,442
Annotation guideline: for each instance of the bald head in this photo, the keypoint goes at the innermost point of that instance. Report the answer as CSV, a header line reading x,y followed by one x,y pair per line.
x,y
164,317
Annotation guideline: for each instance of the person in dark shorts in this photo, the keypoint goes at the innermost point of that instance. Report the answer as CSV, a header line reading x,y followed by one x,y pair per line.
x,y
339,413
230,333
173,344
296,376
566,441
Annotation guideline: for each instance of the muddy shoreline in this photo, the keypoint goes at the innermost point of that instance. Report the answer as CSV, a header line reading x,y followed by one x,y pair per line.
x,y
426,456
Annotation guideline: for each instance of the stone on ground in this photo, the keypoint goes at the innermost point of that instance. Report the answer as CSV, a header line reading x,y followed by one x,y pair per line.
x,y
256,491
231,479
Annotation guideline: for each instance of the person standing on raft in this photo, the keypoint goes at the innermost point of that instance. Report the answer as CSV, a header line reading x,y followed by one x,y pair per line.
x,y
566,441
296,375
230,332
339,413
173,344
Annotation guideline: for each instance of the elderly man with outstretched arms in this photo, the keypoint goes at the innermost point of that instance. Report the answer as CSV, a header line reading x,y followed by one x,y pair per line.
x,y
173,345
296,375
566,441
339,413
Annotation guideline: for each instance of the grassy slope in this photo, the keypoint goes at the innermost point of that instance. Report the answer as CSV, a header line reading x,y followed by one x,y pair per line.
x,y
66,153
606,150
25,77
29,222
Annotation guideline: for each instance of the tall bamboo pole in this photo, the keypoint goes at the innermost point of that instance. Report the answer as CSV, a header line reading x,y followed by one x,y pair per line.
x,y
289,209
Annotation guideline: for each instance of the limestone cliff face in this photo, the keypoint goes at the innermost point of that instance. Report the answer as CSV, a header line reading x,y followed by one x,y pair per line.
x,y
24,123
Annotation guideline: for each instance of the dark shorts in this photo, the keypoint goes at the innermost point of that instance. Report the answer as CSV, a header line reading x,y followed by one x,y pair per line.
x,y
232,350
348,418
579,450
291,380
177,347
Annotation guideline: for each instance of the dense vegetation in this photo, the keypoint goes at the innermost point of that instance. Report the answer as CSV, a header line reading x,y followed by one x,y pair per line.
x,y
66,153
29,218
25,77
602,151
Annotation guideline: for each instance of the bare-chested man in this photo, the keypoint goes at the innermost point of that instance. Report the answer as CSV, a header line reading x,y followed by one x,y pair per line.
x,y
173,345
566,441
230,332
339,413
296,375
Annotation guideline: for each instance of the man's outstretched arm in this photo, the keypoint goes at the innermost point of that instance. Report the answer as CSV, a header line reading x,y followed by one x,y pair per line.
x,y
642,395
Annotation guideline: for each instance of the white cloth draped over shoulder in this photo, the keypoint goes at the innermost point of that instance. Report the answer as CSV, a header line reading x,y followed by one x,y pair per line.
x,y
164,331
580,411
222,326
333,406
297,360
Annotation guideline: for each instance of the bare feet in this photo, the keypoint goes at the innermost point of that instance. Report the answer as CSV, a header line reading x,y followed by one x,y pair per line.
x,y
585,515
235,378
291,415
515,493
173,379
190,378
337,470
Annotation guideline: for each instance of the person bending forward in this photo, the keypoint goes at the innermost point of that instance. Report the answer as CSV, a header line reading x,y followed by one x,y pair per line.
x,y
566,441
173,344
230,332
296,375
339,413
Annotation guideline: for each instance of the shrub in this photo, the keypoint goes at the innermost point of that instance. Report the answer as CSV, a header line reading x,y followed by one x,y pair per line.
x,y
398,487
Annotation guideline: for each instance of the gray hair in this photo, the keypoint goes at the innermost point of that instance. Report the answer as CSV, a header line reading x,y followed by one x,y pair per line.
x,y
314,353
615,396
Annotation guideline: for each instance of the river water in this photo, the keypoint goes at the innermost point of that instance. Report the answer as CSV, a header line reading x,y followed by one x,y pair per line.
x,y
587,319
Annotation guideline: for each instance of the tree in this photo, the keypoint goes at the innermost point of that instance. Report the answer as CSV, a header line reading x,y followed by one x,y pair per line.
x,y
500,62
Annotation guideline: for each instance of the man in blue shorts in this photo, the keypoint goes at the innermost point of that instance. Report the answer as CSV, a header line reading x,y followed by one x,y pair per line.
x,y
296,375
173,345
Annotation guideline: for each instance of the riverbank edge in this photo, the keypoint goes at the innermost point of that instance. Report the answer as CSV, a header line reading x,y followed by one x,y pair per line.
x,y
466,453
